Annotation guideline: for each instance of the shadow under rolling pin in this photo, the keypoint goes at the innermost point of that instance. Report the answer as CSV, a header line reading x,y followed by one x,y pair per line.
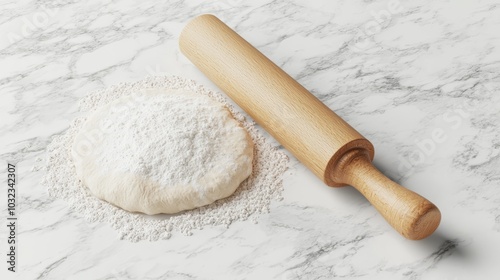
x,y
320,139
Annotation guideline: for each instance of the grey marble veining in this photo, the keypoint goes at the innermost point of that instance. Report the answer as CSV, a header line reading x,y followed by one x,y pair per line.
x,y
420,79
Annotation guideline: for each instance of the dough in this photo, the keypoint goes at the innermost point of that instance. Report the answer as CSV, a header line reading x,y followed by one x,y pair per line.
x,y
162,151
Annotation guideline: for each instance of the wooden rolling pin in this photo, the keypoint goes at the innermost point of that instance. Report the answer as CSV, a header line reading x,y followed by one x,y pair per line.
x,y
320,139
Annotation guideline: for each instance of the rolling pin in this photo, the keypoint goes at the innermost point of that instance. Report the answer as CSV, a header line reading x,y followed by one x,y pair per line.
x,y
313,133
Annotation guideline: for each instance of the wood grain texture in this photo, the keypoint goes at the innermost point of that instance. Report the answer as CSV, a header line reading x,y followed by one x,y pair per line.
x,y
317,136
290,113
409,213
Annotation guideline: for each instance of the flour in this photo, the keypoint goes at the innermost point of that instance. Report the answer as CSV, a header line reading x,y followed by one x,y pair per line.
x,y
253,196
162,151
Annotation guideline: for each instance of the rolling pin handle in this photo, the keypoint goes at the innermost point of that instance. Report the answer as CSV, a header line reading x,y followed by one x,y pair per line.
x,y
410,214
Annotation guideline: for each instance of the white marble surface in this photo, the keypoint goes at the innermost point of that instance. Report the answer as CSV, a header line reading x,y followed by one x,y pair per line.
x,y
427,66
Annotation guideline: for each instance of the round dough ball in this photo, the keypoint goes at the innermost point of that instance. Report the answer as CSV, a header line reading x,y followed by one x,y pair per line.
x,y
162,151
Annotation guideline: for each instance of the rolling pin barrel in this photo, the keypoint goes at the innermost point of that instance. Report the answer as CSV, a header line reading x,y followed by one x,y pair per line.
x,y
318,137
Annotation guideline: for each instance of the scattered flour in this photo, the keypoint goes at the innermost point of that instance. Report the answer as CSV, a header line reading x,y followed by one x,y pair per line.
x,y
253,196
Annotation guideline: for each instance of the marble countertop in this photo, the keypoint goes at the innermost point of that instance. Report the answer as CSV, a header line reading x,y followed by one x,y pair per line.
x,y
417,78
